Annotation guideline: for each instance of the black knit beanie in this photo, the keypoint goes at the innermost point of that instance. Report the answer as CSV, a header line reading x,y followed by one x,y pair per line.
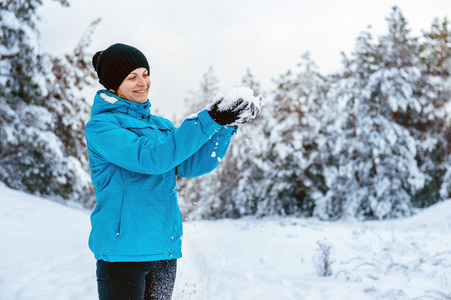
x,y
115,63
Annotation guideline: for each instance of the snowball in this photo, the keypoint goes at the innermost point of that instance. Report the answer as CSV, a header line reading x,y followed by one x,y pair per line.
x,y
245,93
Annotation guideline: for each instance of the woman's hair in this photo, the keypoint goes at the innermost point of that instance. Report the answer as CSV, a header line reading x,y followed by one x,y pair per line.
x,y
117,93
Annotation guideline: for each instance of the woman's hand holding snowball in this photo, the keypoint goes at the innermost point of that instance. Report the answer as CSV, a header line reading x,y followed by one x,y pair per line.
x,y
237,106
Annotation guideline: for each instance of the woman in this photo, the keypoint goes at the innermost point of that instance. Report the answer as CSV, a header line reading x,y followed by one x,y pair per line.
x,y
134,158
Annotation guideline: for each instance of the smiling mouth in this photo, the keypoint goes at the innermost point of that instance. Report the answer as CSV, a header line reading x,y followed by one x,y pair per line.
x,y
141,91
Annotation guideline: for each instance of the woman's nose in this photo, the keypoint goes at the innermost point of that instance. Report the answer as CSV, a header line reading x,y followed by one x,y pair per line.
x,y
142,81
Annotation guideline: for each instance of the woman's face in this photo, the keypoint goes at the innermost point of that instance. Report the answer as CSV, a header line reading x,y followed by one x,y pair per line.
x,y
135,86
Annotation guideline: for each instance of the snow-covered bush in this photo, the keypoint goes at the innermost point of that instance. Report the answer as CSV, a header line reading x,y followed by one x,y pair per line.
x,y
322,260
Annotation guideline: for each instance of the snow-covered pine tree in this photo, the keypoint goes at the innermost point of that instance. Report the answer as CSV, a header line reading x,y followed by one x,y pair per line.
x,y
294,179
375,173
432,127
42,113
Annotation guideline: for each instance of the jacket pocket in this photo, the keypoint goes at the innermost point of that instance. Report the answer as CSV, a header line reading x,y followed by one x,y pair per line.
x,y
121,217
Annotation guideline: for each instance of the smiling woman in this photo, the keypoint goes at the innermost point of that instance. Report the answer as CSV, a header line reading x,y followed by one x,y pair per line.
x,y
134,158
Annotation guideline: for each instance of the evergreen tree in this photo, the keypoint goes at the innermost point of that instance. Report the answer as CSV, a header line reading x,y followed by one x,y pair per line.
x,y
432,127
42,112
375,172
295,140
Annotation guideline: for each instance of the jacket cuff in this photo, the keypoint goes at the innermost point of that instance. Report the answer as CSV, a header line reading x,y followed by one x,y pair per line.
x,y
207,121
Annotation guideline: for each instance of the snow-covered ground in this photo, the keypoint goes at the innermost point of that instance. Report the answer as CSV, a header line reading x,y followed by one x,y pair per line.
x,y
44,255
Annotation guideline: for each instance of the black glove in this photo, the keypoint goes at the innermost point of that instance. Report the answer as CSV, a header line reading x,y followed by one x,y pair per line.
x,y
252,112
229,114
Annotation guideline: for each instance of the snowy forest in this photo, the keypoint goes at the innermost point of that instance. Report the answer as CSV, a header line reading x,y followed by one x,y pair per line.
x,y
370,141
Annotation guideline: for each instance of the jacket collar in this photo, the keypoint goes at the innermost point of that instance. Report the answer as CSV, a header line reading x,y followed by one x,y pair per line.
x,y
106,101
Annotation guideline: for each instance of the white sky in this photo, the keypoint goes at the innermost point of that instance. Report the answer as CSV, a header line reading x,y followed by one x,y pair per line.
x,y
182,38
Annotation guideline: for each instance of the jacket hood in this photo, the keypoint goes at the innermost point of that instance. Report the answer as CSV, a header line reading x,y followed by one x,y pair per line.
x,y
105,101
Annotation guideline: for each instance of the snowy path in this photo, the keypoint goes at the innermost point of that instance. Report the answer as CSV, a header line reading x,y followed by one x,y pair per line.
x,y
44,255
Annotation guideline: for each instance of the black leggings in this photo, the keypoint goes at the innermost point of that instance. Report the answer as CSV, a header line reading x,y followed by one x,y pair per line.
x,y
136,280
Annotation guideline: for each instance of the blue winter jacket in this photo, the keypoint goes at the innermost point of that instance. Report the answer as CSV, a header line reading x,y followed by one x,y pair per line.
x,y
134,158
